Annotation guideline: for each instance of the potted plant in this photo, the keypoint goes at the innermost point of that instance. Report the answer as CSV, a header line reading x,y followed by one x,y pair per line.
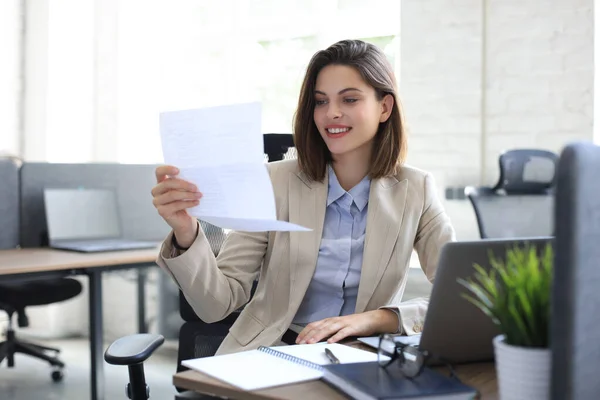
x,y
515,294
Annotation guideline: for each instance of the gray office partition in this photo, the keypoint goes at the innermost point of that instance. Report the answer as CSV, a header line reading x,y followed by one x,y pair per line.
x,y
575,332
132,183
9,203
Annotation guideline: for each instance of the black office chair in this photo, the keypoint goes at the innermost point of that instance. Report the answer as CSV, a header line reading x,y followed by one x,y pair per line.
x,y
278,146
196,338
522,202
15,295
14,298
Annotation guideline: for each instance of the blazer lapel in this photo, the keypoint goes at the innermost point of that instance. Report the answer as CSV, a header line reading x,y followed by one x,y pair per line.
x,y
387,200
307,202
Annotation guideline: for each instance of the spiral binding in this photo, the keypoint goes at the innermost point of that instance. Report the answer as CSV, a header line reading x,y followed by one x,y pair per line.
x,y
289,357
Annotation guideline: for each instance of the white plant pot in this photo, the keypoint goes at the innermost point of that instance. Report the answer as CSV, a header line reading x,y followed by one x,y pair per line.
x,y
523,373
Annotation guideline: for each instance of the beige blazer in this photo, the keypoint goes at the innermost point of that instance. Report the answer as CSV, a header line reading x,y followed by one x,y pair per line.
x,y
404,213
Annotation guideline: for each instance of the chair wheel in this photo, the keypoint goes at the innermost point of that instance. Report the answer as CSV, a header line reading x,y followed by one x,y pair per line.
x,y
57,375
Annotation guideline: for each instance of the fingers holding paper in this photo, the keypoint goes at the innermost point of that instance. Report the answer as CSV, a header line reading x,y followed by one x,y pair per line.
x,y
166,179
337,328
172,197
164,171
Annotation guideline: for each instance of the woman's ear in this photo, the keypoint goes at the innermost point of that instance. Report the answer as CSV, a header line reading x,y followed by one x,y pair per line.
x,y
387,105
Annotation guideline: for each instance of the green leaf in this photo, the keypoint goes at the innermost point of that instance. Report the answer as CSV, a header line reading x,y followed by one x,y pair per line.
x,y
515,293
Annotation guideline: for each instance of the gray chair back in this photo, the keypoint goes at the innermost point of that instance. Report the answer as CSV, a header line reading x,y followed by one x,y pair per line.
x,y
9,203
575,323
521,204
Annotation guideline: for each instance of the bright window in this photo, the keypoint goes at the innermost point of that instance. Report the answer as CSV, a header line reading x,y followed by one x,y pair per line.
x,y
10,85
188,54
104,70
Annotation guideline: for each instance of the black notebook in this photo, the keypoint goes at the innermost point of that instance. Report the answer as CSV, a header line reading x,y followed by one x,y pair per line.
x,y
369,381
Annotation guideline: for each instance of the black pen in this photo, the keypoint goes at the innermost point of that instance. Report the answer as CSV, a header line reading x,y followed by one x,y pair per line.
x,y
332,358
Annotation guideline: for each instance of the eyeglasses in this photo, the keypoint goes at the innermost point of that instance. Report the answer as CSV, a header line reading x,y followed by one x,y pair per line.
x,y
411,359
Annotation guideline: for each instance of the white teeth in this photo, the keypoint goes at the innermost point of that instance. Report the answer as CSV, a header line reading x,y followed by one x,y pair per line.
x,y
338,130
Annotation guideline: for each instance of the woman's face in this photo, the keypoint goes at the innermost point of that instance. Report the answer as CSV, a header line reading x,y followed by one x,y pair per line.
x,y
347,112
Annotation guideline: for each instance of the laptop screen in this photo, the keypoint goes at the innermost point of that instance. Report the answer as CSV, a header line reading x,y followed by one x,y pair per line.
x,y
81,214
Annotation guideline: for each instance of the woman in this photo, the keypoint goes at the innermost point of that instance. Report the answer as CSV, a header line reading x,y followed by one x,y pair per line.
x,y
366,209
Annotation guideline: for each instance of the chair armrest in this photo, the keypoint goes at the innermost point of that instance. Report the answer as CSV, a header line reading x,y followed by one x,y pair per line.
x,y
132,349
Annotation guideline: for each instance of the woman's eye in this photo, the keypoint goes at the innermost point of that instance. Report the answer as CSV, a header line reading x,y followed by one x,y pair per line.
x,y
320,102
350,100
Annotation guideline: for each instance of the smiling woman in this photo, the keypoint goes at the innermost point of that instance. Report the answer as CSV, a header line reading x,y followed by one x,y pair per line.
x,y
355,108
349,99
366,208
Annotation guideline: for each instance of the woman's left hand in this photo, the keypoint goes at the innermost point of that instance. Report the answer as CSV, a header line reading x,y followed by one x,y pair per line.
x,y
337,328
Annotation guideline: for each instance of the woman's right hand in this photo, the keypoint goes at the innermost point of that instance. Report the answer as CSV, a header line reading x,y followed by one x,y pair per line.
x,y
171,198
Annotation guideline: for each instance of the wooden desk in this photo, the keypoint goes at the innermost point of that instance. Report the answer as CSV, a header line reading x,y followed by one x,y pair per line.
x,y
44,262
25,261
481,376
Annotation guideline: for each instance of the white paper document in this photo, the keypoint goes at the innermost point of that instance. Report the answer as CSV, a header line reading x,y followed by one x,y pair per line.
x,y
220,150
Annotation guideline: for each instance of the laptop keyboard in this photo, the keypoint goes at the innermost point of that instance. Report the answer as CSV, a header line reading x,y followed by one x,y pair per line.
x,y
108,245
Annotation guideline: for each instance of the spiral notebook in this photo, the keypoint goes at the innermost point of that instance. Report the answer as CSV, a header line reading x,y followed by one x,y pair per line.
x,y
275,366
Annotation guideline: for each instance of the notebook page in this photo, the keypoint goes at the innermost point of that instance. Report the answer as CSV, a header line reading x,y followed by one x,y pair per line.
x,y
252,370
316,353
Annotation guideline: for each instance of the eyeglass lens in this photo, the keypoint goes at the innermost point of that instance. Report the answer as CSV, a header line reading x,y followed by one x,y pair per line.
x,y
410,359
386,352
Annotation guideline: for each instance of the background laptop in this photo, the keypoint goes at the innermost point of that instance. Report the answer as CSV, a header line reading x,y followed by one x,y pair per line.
x,y
455,330
86,220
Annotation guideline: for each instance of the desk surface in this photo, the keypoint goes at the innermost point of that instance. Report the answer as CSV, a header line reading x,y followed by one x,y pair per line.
x,y
481,376
45,261
23,261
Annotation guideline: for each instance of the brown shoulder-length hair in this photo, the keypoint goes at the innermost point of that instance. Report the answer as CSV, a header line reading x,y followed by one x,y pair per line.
x,y
390,142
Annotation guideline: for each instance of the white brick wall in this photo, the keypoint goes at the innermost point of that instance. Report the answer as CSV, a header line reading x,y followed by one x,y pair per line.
x,y
493,74
440,86
539,75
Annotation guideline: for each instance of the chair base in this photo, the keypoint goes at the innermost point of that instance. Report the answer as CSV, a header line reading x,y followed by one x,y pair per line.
x,y
12,345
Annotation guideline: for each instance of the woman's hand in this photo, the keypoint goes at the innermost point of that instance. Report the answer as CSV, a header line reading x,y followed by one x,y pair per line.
x,y
171,198
367,323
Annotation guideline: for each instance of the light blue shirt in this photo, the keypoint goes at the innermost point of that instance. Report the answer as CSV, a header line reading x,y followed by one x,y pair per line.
x,y
334,285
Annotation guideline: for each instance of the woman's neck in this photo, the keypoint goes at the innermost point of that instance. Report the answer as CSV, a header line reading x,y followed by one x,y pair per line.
x,y
350,169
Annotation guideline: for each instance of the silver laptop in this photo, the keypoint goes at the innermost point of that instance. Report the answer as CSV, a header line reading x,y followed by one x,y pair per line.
x,y
455,330
86,220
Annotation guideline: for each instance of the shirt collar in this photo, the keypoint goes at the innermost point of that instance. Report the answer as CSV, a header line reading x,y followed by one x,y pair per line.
x,y
359,193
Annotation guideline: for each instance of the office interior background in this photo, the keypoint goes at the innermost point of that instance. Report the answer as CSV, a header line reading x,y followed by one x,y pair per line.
x,y
84,80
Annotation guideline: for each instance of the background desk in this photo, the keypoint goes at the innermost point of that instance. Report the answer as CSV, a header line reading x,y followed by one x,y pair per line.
x,y
44,262
481,376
